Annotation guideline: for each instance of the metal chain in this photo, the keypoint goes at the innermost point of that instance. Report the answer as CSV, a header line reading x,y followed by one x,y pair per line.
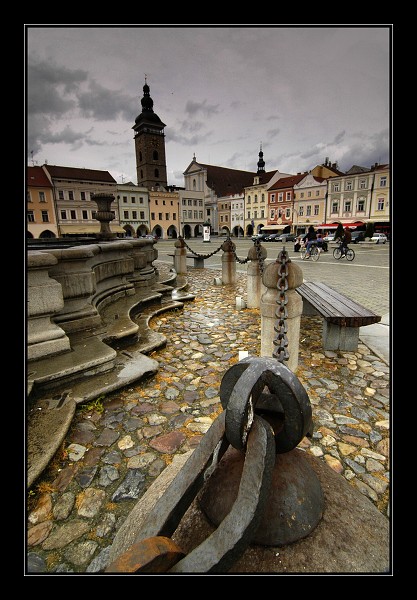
x,y
259,256
200,255
281,329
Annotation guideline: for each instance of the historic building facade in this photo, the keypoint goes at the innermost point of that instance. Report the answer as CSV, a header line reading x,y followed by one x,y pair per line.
x,y
133,203
40,212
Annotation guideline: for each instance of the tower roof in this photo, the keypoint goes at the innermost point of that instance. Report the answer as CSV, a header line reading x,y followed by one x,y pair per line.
x,y
147,116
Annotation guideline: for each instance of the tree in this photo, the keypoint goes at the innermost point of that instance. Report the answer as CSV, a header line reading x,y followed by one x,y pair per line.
x,y
339,232
369,231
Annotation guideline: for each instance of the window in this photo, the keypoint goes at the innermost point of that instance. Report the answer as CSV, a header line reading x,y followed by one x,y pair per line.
x,y
263,198
248,214
308,211
42,197
155,155
85,214
125,199
73,214
63,214
133,199
167,216
287,213
83,196
256,198
153,216
221,218
280,197
316,209
262,214
272,197
31,216
336,187
200,214
381,203
301,211
288,196
125,214
190,202
174,216
335,207
348,205
156,172
60,194
156,202
140,200
28,198
200,203
184,215
163,202
194,184
196,215
272,214
361,204
134,215
317,193
70,195
309,194
160,216
190,214
302,195
383,182
142,215
140,158
93,214
349,186
255,214
45,218
362,184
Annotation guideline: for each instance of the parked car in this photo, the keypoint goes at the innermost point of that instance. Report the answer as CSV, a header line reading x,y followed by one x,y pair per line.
x,y
329,237
272,237
260,236
379,238
285,237
358,236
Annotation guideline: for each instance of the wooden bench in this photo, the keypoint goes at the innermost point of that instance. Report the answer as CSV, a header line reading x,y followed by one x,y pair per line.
x,y
342,316
198,261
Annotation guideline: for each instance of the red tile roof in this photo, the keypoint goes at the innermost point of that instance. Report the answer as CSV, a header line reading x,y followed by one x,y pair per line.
x,y
287,182
37,177
75,173
226,181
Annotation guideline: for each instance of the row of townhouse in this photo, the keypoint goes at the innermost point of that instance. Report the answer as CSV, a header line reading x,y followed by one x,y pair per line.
x,y
233,202
59,204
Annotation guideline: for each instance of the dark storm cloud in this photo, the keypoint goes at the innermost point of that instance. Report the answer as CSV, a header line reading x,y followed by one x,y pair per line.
x,y
180,138
104,104
339,137
49,87
193,108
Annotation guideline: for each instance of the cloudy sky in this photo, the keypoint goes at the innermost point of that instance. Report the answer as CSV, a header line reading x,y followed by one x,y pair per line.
x,y
306,92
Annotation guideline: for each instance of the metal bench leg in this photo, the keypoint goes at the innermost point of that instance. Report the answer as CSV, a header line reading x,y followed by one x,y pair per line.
x,y
340,338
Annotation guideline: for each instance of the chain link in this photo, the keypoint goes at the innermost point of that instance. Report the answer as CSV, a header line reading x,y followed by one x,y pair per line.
x,y
281,328
196,253
261,263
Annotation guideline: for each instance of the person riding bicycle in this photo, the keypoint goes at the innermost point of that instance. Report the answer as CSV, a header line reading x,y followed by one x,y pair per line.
x,y
347,238
309,239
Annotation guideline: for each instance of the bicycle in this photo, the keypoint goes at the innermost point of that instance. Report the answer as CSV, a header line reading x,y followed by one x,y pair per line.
x,y
315,252
338,254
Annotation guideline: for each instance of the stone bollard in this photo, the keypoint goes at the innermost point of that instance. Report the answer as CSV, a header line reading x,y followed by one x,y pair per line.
x,y
255,287
180,257
269,308
228,263
45,299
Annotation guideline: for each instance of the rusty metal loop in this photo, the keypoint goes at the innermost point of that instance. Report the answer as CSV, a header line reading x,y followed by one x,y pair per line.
x,y
286,401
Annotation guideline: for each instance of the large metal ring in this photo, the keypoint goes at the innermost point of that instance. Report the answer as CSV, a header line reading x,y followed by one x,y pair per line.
x,y
285,405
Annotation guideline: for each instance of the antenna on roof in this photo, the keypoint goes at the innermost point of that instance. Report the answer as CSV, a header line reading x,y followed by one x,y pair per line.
x,y
34,162
122,176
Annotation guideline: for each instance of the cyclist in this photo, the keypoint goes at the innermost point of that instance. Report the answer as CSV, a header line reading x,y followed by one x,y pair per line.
x,y
309,239
347,238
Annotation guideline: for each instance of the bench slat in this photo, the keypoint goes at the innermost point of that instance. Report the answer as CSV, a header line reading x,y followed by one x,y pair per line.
x,y
335,307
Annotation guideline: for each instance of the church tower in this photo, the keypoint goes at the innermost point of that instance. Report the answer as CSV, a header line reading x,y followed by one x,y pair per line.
x,y
149,138
261,162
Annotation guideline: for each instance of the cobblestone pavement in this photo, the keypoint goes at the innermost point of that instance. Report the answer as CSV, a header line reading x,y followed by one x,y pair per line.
x,y
118,445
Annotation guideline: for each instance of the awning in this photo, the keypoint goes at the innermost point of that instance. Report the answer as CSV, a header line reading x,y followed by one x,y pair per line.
x,y
329,226
81,229
273,227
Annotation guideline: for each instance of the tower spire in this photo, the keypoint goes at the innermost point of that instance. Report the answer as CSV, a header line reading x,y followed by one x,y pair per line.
x,y
261,162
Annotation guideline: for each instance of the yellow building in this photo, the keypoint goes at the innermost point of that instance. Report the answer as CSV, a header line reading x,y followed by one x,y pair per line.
x,y
164,209
40,213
